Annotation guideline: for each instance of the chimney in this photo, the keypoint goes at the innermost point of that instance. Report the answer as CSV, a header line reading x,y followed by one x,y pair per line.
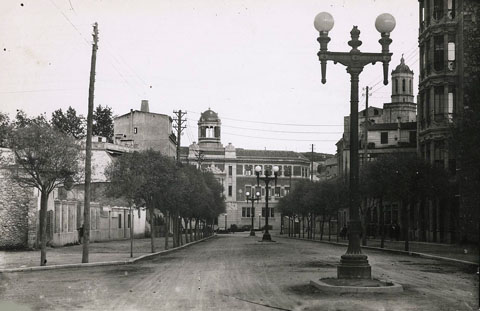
x,y
144,107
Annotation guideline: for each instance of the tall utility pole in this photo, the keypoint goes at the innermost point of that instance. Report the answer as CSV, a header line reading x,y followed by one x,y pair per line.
x,y
179,126
366,123
88,153
311,165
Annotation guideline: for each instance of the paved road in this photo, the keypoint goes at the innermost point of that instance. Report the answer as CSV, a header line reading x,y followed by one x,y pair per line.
x,y
235,272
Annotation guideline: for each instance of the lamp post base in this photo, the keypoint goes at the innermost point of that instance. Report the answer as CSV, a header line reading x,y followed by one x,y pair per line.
x,y
266,236
252,233
354,266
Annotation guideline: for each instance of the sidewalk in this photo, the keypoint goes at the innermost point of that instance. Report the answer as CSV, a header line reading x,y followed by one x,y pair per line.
x,y
469,253
108,251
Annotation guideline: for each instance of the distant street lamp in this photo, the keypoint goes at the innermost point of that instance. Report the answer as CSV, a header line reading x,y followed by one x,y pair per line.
x,y
253,199
354,264
267,178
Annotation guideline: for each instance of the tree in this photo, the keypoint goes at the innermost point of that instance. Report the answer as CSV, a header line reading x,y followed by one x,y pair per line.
x,y
5,129
69,123
103,122
153,183
22,120
46,158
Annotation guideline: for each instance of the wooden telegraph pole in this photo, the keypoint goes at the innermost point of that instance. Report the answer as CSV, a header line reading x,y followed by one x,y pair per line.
x,y
88,155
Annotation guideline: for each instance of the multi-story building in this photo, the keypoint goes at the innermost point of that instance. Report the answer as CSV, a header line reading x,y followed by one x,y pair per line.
x,y
234,168
142,129
391,129
449,39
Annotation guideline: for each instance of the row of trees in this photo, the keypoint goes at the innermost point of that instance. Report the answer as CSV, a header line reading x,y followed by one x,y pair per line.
x,y
396,178
47,154
181,193
67,122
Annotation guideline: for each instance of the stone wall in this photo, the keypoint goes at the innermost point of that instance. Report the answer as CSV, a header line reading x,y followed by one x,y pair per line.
x,y
18,214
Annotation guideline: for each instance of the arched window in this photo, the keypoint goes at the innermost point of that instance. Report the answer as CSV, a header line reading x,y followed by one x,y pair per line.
x,y
396,85
411,88
403,85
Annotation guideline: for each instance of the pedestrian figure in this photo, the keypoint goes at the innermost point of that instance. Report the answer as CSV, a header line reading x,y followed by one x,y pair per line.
x,y
80,234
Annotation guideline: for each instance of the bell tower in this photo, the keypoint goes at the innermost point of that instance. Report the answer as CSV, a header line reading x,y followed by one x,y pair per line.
x,y
402,83
209,126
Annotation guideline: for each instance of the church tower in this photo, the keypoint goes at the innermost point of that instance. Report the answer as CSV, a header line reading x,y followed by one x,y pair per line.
x,y
402,83
402,107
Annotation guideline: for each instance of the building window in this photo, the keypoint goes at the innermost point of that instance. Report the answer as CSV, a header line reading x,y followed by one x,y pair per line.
x,y
230,170
396,86
272,213
438,55
437,9
427,57
248,170
297,171
411,88
438,103
277,191
413,137
230,188
451,102
120,221
451,56
239,169
451,9
246,212
248,189
403,86
438,154
288,171
263,191
287,190
135,130
280,170
384,137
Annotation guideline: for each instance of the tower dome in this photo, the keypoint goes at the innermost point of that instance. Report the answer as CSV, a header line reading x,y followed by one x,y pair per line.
x,y
209,126
209,116
402,83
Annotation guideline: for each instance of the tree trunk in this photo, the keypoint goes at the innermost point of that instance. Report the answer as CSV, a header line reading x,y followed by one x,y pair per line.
x,y
364,222
152,228
406,225
303,226
190,228
329,230
167,229
322,226
185,221
314,226
382,224
289,222
43,227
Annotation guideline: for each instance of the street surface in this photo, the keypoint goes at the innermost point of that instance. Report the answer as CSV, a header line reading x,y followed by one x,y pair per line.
x,y
236,272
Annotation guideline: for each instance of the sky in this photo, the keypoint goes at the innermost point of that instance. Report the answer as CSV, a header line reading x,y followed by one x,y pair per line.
x,y
254,62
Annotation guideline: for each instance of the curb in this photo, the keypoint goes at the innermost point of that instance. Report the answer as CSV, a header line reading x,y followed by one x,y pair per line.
x,y
396,251
102,263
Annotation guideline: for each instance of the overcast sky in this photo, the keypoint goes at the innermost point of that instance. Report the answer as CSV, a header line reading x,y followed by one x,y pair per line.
x,y
254,62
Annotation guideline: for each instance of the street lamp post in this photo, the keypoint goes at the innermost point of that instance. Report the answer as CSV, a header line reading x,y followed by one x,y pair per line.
x,y
259,220
267,178
253,199
225,222
354,264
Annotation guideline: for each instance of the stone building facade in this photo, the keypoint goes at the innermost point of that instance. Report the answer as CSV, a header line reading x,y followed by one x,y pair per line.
x,y
234,169
142,130
18,209
449,40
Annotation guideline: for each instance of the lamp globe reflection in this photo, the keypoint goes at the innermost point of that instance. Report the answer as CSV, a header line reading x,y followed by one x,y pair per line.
x,y
385,23
323,22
